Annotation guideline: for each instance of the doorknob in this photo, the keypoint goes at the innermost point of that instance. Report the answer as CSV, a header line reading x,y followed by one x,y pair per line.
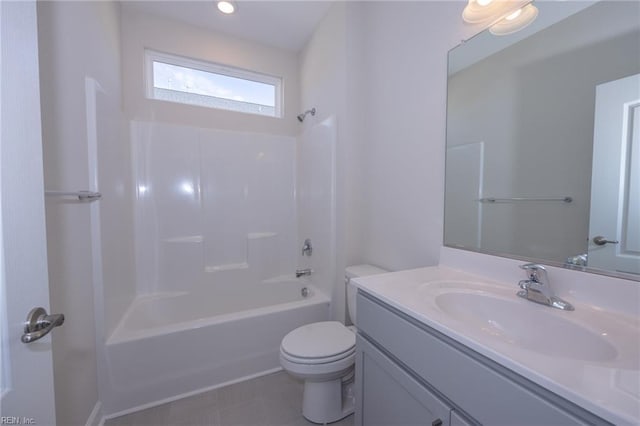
x,y
600,241
39,324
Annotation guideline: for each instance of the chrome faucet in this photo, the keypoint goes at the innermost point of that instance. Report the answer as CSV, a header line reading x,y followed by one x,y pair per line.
x,y
307,250
537,289
303,272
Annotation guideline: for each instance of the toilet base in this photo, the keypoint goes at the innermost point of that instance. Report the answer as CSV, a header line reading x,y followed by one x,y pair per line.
x,y
327,402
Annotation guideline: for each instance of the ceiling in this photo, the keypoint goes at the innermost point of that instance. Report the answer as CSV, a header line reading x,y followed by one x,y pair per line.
x,y
283,24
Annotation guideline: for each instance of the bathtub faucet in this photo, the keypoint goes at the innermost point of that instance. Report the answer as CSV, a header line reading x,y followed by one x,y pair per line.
x,y
303,272
306,248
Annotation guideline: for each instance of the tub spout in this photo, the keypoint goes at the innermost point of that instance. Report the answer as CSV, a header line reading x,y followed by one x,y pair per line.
x,y
303,272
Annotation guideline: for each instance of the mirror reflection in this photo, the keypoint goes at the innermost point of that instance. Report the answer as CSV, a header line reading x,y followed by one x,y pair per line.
x,y
543,139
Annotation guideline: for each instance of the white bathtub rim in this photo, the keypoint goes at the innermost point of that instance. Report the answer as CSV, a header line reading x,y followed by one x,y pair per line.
x,y
138,300
121,335
190,393
287,278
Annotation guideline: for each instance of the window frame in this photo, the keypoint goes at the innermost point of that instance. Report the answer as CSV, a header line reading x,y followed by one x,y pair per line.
x,y
151,56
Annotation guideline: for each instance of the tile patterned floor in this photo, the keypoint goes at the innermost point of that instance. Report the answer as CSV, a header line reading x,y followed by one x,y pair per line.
x,y
272,400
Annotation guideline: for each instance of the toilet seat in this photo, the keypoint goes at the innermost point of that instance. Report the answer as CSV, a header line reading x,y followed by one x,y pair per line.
x,y
324,360
318,371
318,343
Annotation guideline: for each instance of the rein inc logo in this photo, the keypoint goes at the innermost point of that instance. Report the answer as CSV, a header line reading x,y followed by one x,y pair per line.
x,y
14,420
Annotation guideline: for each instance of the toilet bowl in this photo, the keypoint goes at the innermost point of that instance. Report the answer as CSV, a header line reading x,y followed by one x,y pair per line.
x,y
323,355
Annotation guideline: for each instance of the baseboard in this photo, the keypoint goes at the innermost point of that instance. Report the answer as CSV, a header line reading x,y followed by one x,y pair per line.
x,y
96,418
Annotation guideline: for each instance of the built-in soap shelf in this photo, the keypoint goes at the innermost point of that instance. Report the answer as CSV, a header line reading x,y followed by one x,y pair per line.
x,y
186,239
200,238
226,267
255,254
260,235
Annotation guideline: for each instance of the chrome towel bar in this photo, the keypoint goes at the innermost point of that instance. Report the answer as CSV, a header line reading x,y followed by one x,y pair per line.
x,y
509,200
80,195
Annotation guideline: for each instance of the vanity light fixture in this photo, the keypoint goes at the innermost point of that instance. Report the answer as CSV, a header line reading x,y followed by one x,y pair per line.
x,y
478,11
226,7
516,21
502,16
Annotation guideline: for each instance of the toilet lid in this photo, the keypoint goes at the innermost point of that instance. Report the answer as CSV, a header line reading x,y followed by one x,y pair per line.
x,y
319,340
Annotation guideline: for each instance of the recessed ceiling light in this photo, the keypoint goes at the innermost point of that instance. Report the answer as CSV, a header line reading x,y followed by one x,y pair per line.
x,y
226,7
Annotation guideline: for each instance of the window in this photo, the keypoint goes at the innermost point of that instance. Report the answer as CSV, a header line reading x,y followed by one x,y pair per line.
x,y
189,81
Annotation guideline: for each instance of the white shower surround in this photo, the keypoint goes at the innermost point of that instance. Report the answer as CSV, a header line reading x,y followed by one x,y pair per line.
x,y
211,205
216,224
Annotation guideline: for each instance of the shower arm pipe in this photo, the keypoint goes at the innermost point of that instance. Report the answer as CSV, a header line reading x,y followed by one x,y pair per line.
x,y
302,116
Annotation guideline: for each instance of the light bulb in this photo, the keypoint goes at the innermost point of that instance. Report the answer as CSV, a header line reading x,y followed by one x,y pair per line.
x,y
515,21
477,11
226,7
514,15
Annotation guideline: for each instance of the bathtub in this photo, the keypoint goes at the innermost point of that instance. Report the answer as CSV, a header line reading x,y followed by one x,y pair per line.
x,y
168,346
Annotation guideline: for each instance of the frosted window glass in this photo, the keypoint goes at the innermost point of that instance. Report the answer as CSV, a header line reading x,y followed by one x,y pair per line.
x,y
174,79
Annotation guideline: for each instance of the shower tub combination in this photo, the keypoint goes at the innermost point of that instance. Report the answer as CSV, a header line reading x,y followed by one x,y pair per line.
x,y
168,346
216,228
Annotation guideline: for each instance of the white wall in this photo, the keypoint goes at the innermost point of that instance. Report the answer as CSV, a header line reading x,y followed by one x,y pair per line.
x,y
140,31
405,74
380,67
79,40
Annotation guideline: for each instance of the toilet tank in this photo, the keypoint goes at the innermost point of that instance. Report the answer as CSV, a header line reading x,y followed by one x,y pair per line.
x,y
356,271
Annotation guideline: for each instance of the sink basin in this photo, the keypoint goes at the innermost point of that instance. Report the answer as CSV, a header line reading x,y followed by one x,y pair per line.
x,y
510,320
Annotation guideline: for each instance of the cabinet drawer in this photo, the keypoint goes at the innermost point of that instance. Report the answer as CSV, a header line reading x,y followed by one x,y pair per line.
x,y
490,393
388,395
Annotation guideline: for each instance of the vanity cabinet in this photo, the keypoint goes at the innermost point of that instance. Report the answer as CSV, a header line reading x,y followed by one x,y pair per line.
x,y
410,374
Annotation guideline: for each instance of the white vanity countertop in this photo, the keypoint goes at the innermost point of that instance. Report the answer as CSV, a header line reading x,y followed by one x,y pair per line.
x,y
605,381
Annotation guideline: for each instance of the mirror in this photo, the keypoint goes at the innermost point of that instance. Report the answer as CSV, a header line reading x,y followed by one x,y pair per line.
x,y
543,140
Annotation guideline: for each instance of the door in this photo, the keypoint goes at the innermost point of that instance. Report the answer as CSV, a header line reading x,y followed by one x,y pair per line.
x,y
614,227
26,373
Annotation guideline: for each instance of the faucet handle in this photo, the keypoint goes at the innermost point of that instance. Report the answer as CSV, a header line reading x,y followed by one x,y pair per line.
x,y
524,284
532,266
535,272
307,249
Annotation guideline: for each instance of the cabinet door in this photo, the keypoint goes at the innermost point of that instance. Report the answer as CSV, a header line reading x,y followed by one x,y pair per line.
x,y
389,396
458,420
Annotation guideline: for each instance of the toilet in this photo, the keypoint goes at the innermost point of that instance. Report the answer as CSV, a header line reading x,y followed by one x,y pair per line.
x,y
323,355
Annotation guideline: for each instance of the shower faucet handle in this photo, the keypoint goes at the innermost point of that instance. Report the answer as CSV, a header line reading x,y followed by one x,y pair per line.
x,y
307,250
